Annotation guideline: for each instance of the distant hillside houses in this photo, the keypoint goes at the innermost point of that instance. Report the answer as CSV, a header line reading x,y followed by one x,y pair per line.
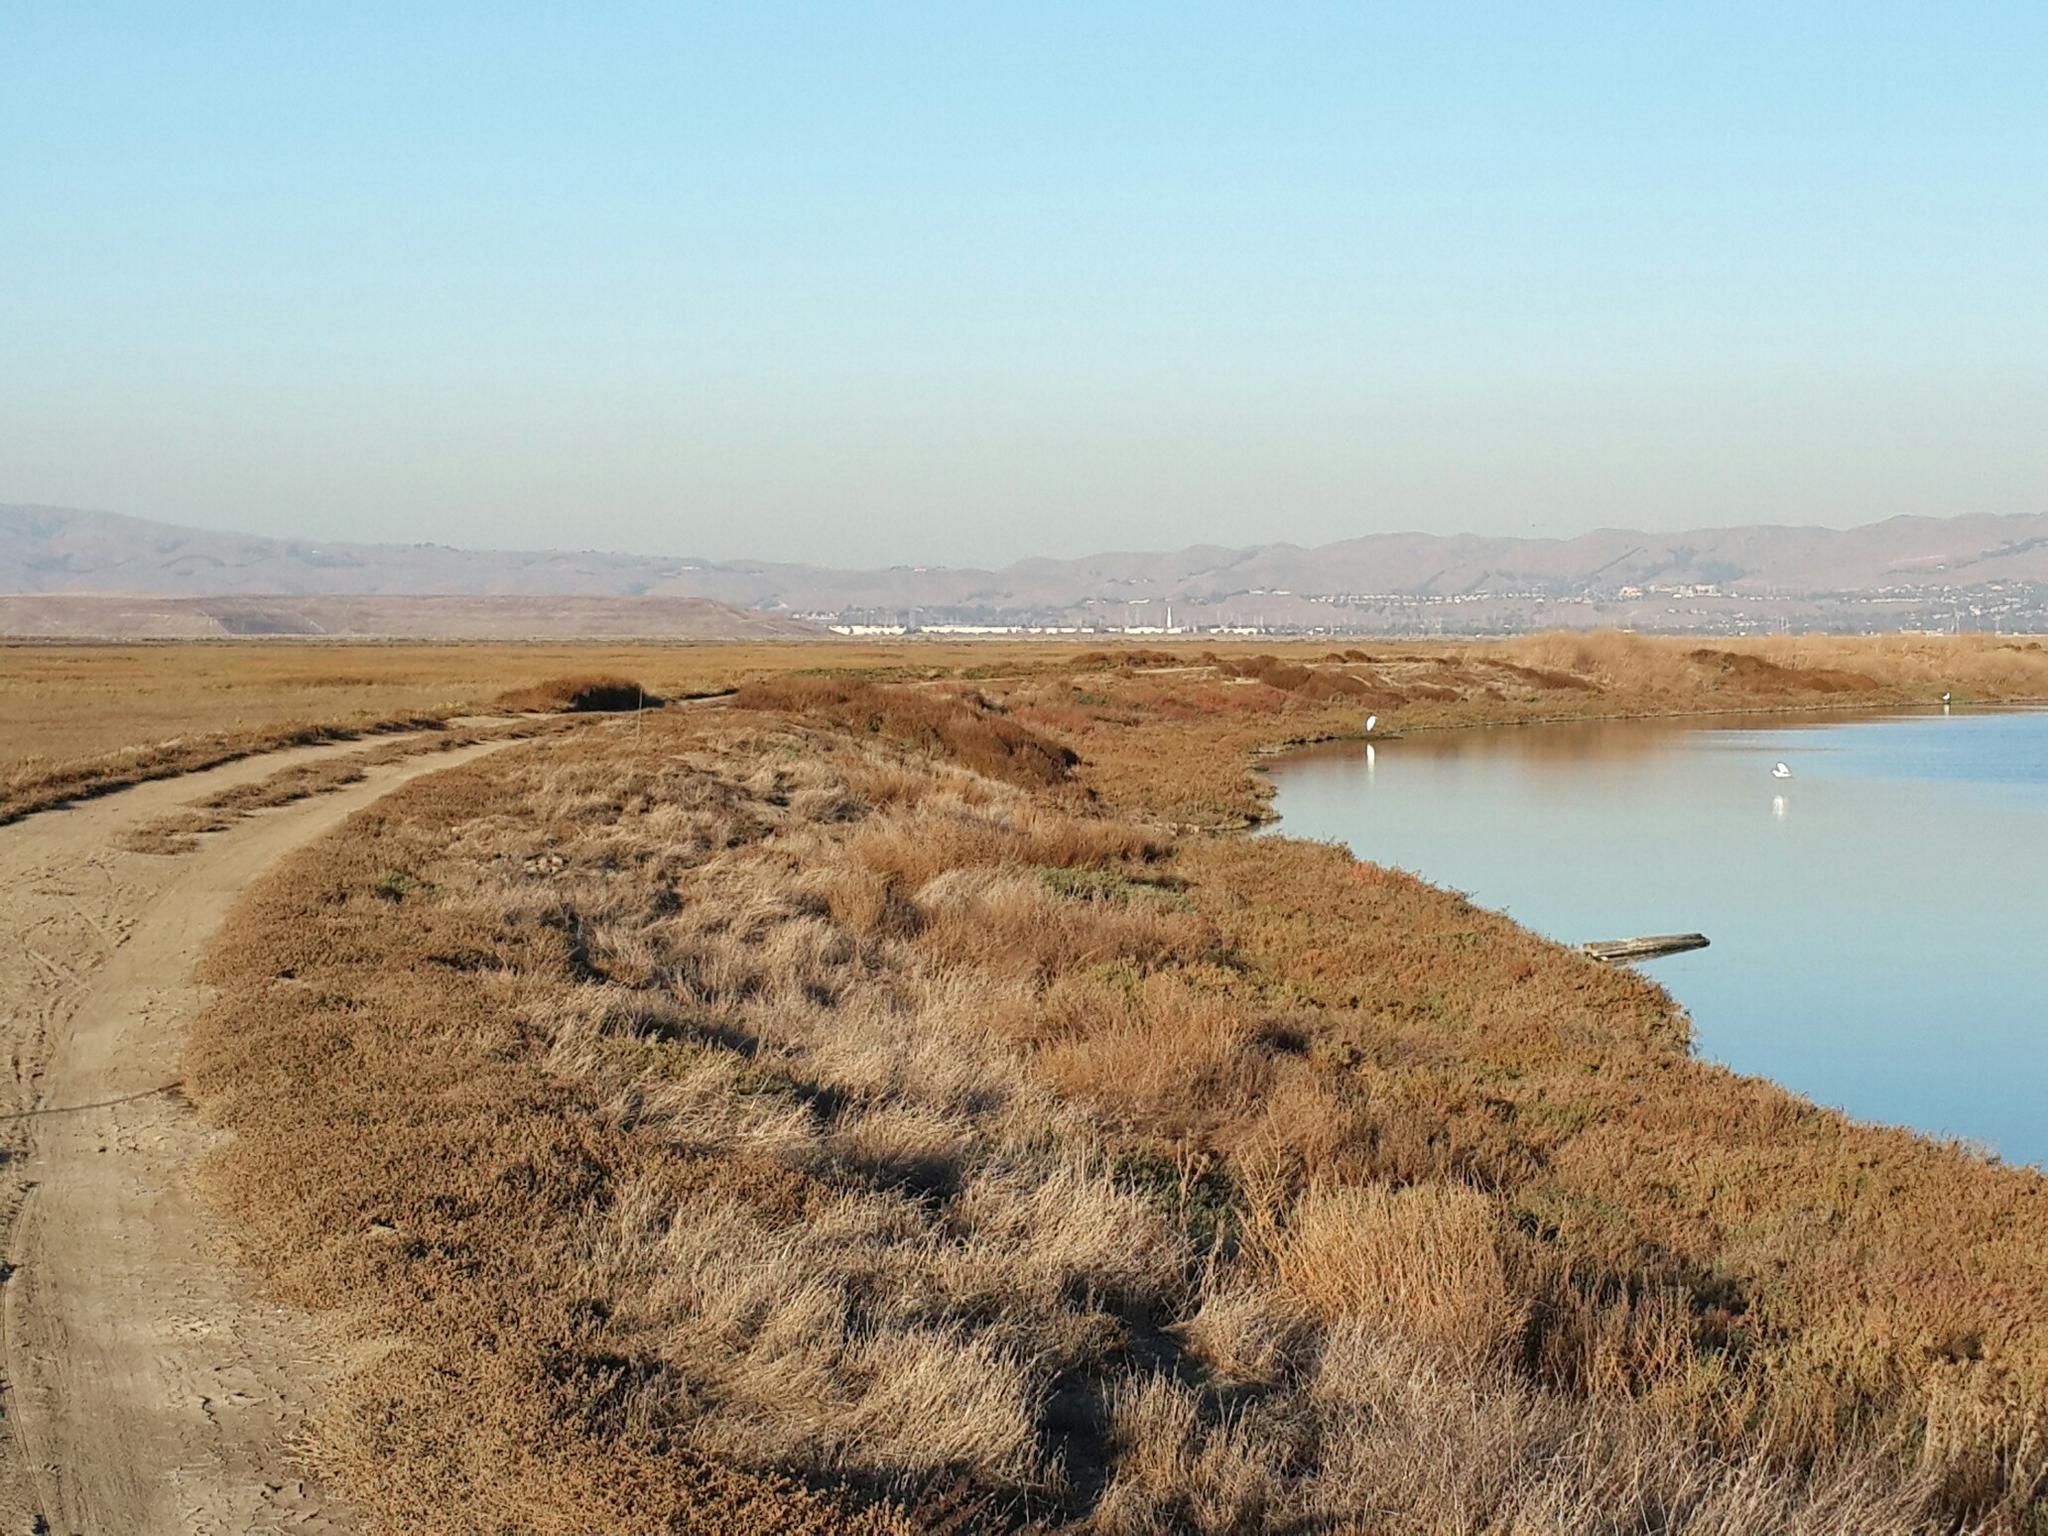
x,y
1657,589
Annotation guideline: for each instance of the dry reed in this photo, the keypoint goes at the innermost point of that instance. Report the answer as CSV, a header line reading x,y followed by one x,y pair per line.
x,y
862,1138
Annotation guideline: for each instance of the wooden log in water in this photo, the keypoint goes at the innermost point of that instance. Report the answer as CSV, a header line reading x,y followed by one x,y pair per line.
x,y
1621,951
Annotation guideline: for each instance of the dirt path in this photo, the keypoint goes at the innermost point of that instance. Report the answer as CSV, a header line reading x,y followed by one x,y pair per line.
x,y
146,1390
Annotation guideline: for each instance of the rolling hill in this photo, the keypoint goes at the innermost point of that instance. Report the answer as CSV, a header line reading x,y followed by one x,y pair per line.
x,y
51,551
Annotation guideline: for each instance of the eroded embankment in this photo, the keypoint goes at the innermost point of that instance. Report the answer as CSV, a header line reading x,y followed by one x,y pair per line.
x,y
749,1126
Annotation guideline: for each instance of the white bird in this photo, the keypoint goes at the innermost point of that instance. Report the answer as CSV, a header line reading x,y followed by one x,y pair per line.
x,y
1944,701
1370,722
1781,772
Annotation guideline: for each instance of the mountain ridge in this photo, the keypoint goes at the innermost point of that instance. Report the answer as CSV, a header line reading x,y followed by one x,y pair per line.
x,y
55,550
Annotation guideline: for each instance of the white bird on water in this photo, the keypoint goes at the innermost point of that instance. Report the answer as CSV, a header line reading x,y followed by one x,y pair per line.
x,y
1781,772
1944,701
1370,722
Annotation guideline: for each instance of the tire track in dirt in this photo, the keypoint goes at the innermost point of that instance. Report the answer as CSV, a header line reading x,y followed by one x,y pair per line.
x,y
146,1390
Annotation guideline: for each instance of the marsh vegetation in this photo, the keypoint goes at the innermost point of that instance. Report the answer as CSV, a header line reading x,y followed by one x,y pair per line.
x,y
876,1104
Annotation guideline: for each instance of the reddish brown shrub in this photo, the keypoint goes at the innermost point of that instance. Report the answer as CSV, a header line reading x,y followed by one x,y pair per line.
x,y
964,728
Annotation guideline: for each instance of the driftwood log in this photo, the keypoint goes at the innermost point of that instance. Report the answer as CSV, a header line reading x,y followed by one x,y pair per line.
x,y
1621,951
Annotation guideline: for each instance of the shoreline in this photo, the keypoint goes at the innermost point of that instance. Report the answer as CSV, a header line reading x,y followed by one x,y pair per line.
x,y
1261,758
1979,1151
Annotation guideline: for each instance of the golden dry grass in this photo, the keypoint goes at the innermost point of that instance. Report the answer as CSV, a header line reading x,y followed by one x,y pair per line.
x,y
39,786
78,720
882,1109
961,726
180,831
59,703
761,1122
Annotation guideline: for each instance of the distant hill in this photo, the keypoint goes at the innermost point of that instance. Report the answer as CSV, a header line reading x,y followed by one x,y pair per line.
x,y
50,550
59,549
76,616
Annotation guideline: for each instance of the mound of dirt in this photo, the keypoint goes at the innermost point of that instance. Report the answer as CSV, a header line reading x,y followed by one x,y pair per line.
x,y
1759,675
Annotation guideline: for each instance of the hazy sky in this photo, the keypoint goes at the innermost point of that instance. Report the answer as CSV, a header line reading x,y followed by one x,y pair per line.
x,y
968,282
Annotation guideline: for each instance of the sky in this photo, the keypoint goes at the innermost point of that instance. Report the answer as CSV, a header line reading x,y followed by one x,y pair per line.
x,y
883,283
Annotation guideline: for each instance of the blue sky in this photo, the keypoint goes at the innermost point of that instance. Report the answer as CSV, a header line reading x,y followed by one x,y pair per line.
x,y
966,283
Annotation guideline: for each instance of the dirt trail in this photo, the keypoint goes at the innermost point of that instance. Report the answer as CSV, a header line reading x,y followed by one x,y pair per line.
x,y
146,1390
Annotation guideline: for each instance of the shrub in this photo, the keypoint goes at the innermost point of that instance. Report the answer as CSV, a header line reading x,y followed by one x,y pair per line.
x,y
581,695
962,727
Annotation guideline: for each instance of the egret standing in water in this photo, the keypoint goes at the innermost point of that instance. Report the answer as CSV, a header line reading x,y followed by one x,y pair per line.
x,y
1944,701
1370,722
1781,772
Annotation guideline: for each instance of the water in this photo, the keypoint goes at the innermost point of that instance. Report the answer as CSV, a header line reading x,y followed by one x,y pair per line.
x,y
1879,920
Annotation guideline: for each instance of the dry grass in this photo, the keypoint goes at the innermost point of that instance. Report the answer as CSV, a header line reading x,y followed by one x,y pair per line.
x,y
773,1271
879,1110
960,726
39,787
81,720
1428,1253
1977,668
180,831
1167,731
765,1122
61,703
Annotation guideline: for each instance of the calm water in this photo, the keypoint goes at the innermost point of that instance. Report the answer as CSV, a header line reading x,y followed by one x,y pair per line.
x,y
1879,920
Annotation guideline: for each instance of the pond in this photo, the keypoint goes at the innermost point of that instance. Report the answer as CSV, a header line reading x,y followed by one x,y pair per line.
x,y
1879,917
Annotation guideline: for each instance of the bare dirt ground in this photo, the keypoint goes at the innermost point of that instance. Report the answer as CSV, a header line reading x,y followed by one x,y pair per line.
x,y
146,1389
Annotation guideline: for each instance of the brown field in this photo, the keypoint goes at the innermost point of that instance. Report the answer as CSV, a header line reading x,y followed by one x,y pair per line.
x,y
878,1104
180,831
60,703
78,720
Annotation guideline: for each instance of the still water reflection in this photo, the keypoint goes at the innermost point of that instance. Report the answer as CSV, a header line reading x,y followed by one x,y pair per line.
x,y
1879,919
